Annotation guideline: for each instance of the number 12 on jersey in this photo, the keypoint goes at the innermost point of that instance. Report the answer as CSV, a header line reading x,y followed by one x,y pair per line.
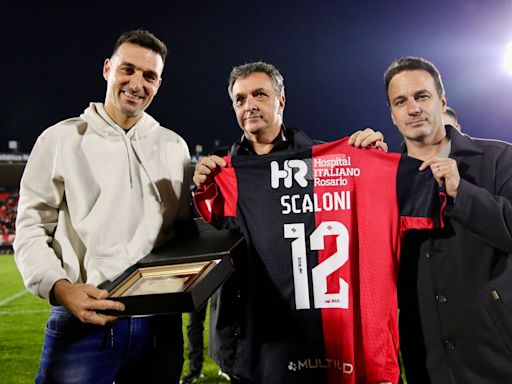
x,y
322,270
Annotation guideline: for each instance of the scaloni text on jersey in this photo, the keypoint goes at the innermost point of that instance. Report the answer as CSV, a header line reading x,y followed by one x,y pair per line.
x,y
328,201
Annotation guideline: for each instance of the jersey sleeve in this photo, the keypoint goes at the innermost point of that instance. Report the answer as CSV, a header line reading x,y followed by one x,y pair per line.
x,y
218,200
420,200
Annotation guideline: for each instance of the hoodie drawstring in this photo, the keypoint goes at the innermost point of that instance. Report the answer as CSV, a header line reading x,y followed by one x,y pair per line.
x,y
143,162
130,171
97,111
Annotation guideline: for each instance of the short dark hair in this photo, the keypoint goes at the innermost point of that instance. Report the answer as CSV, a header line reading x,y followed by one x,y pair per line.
x,y
144,39
247,69
412,63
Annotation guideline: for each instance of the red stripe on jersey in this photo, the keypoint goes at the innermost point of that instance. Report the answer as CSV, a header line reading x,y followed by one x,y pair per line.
x,y
211,203
204,198
369,255
229,187
411,222
444,197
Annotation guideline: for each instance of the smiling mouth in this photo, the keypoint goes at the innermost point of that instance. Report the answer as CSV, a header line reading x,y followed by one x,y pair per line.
x,y
132,96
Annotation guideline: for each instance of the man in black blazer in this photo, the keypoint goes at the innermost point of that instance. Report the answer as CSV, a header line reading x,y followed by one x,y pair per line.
x,y
455,284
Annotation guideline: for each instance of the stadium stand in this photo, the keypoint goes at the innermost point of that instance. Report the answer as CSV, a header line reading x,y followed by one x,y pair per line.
x,y
11,169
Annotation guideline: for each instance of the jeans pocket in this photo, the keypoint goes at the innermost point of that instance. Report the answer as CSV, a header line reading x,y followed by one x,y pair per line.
x,y
62,323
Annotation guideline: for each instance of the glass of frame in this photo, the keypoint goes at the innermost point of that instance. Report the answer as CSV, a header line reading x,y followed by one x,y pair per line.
x,y
163,279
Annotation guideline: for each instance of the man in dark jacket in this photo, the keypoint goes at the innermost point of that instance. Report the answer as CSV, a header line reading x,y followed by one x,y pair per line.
x,y
455,285
257,92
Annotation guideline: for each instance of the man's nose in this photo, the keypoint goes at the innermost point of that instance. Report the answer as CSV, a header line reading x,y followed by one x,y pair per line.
x,y
136,81
414,108
250,104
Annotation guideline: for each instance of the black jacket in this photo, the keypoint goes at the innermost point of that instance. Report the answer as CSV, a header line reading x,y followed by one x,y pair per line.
x,y
455,285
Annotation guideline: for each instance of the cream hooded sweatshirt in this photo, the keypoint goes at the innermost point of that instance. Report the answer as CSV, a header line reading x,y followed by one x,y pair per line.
x,y
94,199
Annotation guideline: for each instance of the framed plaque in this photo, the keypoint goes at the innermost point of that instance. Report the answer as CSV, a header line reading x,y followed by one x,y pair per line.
x,y
179,277
162,279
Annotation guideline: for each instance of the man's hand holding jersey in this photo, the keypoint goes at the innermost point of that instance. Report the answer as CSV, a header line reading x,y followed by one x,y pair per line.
x,y
205,167
368,139
445,172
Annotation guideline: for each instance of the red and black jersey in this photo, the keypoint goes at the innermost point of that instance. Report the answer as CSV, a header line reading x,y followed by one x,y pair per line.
x,y
325,224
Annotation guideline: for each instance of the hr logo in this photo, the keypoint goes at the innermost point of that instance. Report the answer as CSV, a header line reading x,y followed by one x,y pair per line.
x,y
292,169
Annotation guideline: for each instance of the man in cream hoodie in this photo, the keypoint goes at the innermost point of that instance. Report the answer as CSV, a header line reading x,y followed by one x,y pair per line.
x,y
99,192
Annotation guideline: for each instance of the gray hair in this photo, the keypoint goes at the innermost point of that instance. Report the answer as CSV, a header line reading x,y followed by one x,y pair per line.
x,y
247,69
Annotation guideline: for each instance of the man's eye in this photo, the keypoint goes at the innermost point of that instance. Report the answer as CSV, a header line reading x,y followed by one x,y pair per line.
x,y
399,103
260,94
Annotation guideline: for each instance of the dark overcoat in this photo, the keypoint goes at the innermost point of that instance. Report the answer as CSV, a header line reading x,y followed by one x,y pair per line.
x,y
455,285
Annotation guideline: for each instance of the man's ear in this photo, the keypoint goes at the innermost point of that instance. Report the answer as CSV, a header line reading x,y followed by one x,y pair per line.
x,y
282,102
107,65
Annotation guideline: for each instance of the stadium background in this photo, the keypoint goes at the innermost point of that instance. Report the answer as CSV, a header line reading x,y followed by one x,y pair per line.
x,y
331,53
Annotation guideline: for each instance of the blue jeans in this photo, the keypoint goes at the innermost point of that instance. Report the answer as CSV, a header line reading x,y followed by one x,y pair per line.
x,y
131,350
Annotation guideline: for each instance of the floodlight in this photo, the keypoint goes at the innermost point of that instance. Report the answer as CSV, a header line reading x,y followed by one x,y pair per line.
x,y
508,59
12,144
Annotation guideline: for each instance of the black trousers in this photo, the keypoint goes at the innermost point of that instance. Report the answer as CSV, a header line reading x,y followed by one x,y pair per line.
x,y
195,329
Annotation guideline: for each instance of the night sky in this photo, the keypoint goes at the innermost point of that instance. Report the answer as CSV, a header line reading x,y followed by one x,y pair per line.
x,y
332,55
